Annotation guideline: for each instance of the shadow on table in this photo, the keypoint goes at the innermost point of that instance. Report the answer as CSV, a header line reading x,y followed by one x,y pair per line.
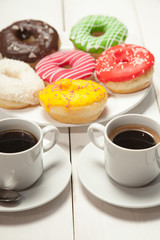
x,y
36,214
129,214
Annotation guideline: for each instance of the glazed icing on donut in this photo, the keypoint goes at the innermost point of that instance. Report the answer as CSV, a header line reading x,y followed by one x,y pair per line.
x,y
28,40
123,63
114,32
51,68
71,93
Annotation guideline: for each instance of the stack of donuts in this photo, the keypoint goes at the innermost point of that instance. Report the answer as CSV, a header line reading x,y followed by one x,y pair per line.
x,y
70,85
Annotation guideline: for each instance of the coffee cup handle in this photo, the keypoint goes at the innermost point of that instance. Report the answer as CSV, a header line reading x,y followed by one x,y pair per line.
x,y
54,138
100,128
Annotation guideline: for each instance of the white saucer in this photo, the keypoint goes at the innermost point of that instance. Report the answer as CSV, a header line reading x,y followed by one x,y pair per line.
x,y
53,181
95,179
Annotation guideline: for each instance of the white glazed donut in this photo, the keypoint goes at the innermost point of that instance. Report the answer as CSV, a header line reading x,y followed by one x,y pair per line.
x,y
19,84
54,67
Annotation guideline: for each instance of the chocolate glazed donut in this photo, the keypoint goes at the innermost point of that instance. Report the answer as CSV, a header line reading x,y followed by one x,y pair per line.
x,y
28,41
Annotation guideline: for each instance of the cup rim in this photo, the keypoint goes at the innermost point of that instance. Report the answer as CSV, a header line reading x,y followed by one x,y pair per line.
x,y
128,149
29,149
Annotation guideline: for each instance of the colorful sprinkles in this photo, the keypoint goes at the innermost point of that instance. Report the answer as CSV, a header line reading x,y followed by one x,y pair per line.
x,y
71,93
123,63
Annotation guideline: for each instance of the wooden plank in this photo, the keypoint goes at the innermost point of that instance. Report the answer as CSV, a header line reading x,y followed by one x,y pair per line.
x,y
53,220
149,21
50,12
123,10
93,218
44,222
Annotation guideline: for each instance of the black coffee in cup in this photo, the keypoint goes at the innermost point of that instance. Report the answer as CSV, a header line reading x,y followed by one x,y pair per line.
x,y
12,141
134,136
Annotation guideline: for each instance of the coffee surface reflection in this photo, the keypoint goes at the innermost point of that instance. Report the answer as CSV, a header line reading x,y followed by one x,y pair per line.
x,y
134,136
13,141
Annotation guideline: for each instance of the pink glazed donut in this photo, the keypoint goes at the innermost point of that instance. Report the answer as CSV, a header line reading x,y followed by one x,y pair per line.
x,y
73,64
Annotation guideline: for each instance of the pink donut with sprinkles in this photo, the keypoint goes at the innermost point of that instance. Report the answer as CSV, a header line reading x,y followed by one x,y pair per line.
x,y
125,68
74,64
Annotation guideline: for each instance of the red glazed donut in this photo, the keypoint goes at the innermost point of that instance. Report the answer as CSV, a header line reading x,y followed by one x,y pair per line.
x,y
125,68
55,66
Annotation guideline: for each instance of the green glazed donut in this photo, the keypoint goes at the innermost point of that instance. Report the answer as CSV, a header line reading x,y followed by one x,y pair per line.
x,y
113,32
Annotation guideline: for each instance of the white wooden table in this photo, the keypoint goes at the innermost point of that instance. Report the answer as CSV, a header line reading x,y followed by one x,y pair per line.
x,y
75,213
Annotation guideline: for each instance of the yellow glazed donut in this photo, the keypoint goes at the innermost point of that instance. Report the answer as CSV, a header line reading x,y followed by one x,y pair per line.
x,y
74,101
19,84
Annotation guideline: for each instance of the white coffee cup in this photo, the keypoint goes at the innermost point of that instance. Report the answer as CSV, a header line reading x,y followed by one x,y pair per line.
x,y
21,170
128,167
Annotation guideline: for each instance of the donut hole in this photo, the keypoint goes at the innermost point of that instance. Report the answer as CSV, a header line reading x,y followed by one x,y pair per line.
x,y
97,34
97,31
123,60
25,36
121,57
67,66
11,74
